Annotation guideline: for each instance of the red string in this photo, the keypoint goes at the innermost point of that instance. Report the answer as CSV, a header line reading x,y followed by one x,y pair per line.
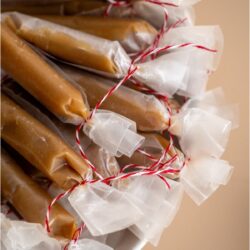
x,y
108,179
157,168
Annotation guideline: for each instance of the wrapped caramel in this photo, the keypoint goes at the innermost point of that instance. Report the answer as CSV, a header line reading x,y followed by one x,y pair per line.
x,y
105,163
74,110
72,46
40,146
154,144
30,200
146,110
39,78
136,34
71,7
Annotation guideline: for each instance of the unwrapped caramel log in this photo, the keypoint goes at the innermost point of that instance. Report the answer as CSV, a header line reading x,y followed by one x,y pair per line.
x,y
72,46
40,79
146,110
136,34
40,146
30,200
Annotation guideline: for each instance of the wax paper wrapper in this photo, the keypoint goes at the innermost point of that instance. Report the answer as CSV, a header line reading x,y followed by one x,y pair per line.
x,y
204,126
72,46
24,235
158,203
118,212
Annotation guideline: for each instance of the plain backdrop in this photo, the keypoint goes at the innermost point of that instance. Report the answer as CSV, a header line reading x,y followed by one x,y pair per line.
x,y
221,223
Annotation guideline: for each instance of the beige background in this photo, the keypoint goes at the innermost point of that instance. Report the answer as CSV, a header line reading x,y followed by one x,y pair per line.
x,y
221,223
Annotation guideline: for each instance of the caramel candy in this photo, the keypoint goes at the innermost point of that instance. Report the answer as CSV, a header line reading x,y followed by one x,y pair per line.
x,y
146,110
72,46
40,146
136,34
154,144
82,6
51,9
67,8
40,79
30,200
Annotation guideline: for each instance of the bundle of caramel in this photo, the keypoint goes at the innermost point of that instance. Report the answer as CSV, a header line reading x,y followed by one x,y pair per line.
x,y
68,104
80,129
31,201
149,11
105,163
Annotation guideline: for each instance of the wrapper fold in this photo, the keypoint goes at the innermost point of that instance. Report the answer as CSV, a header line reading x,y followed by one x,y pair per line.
x,y
203,125
158,203
24,235
117,210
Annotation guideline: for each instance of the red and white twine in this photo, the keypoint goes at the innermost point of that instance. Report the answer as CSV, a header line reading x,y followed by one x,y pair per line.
x,y
159,167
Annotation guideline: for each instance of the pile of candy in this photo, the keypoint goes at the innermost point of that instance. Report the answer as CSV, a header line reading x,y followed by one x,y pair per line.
x,y
106,121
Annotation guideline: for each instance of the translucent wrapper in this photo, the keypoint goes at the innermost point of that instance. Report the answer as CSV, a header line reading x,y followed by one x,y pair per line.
x,y
103,208
88,244
120,240
154,13
120,133
202,177
207,36
187,71
30,200
136,34
166,74
124,240
158,204
62,104
45,83
105,163
24,235
40,146
146,110
73,46
8,211
155,145
214,102
54,191
204,126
